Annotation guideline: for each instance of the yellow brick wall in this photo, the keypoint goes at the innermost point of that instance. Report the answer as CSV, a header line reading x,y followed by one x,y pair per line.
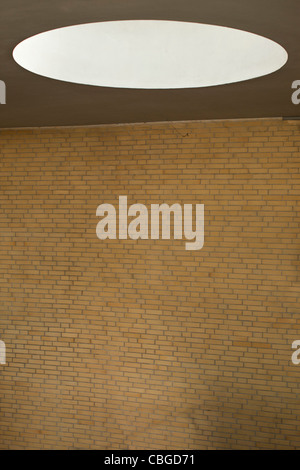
x,y
124,344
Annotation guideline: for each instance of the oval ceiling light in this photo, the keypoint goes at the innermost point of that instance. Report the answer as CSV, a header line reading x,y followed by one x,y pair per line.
x,y
149,54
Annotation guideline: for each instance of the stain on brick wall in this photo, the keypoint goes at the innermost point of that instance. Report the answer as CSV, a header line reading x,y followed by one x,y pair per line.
x,y
140,344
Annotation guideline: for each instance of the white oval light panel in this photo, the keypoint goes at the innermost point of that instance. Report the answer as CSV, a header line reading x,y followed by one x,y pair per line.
x,y
149,54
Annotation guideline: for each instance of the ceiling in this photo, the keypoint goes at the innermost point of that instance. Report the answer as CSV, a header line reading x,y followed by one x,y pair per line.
x,y
34,101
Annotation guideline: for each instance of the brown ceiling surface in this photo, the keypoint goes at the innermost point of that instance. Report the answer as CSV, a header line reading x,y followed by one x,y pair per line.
x,y
33,100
